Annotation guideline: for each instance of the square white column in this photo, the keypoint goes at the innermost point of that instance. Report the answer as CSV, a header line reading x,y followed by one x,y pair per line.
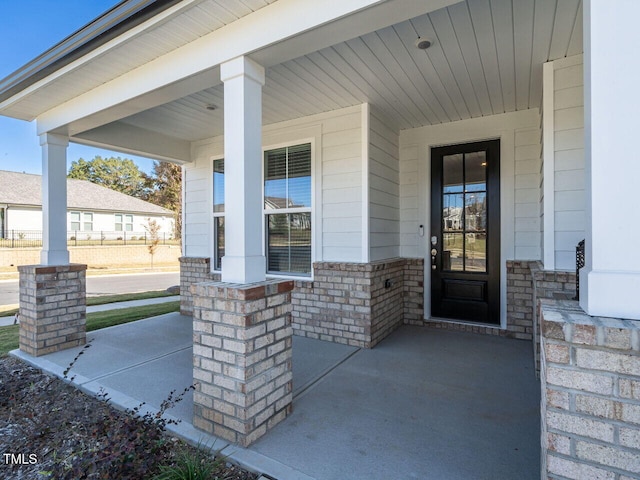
x,y
54,199
610,281
243,261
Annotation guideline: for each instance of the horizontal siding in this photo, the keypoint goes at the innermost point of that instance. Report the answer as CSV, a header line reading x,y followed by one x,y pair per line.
x,y
384,189
409,201
337,174
569,172
527,184
198,201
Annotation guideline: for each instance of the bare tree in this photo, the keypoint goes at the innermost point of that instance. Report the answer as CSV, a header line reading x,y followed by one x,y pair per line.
x,y
152,229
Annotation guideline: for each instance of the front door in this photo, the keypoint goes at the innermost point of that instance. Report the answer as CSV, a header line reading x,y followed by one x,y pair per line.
x,y
465,232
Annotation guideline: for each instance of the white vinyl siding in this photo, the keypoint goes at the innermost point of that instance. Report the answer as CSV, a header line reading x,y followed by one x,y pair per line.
x,y
569,173
527,184
337,167
384,189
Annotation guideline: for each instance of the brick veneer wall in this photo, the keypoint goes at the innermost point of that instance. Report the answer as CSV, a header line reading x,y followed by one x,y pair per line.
x,y
558,285
52,308
242,358
590,379
193,270
358,303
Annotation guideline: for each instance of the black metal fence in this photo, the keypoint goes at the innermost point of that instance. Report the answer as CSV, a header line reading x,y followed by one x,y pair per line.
x,y
33,238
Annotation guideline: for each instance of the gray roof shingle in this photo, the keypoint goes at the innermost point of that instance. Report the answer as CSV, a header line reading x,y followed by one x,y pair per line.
x,y
26,189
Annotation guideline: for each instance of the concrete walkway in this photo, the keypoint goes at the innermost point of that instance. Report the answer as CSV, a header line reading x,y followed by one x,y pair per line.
x,y
4,321
424,403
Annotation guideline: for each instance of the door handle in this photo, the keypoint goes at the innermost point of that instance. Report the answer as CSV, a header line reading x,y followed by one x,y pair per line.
x,y
434,252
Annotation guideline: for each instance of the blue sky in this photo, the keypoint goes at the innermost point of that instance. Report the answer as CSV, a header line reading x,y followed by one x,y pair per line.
x,y
27,29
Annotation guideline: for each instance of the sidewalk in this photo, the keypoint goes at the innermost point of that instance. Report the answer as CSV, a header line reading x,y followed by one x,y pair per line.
x,y
4,321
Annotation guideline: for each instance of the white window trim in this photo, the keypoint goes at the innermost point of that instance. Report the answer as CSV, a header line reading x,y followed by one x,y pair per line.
x,y
214,215
312,209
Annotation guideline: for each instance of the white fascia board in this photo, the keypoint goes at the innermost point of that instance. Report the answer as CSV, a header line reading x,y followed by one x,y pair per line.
x,y
133,140
266,27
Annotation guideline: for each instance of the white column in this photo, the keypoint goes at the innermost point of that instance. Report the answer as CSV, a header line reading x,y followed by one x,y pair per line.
x,y
243,261
610,281
54,199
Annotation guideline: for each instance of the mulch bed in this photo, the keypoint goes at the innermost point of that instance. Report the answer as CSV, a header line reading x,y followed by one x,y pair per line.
x,y
51,430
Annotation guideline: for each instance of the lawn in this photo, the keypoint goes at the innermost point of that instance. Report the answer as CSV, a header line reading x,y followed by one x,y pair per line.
x,y
95,321
103,300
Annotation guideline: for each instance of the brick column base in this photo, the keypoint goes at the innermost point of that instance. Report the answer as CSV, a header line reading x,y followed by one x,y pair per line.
x,y
241,358
52,308
193,270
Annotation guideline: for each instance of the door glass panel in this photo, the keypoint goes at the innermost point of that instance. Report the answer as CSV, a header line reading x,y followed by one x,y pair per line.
x,y
452,208
475,212
475,251
475,166
452,173
452,252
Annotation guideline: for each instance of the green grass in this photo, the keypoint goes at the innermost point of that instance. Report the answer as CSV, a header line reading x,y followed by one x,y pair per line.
x,y
95,321
103,300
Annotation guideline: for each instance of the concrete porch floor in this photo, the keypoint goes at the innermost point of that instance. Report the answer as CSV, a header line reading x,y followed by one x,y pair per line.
x,y
424,403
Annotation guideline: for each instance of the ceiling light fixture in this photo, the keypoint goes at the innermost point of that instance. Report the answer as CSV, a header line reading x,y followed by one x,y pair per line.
x,y
423,43
211,107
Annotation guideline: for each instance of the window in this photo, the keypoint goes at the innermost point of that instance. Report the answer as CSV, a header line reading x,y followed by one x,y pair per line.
x,y
287,209
218,213
74,225
87,225
124,222
81,221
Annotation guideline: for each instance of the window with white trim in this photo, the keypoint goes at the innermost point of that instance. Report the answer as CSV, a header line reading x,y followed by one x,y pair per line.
x,y
218,213
124,222
81,221
287,209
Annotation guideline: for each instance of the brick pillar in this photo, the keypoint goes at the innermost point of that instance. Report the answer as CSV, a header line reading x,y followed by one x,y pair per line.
x,y
193,270
52,308
242,358
590,380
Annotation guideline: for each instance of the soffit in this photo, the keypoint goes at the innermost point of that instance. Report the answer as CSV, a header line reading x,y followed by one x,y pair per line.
x,y
486,59
196,20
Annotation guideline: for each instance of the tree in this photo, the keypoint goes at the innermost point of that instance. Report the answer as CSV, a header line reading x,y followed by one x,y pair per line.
x,y
164,187
120,174
152,229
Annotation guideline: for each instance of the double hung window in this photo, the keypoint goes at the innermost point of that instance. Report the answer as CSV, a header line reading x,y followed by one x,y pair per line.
x,y
287,210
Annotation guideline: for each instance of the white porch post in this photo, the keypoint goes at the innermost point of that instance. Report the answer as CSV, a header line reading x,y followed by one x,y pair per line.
x,y
610,281
243,261
54,199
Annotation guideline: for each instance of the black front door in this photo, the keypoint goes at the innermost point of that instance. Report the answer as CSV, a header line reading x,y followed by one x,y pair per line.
x,y
465,229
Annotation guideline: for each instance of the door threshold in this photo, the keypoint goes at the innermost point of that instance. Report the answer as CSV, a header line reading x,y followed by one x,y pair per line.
x,y
463,322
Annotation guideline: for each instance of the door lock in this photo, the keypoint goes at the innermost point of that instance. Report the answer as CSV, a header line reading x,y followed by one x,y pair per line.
x,y
434,252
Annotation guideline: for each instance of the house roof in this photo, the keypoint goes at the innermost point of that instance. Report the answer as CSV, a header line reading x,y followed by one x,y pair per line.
x,y
26,189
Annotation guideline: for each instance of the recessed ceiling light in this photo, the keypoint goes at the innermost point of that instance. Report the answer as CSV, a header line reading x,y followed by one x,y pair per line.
x,y
423,43
211,107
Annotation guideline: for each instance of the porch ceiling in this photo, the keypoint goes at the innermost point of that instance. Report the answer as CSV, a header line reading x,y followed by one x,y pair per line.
x,y
486,59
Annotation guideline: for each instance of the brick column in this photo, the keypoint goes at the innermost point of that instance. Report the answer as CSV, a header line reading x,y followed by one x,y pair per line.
x,y
52,308
242,358
590,379
193,270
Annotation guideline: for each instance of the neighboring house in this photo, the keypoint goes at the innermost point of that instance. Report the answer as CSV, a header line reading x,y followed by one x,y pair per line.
x,y
91,209
343,144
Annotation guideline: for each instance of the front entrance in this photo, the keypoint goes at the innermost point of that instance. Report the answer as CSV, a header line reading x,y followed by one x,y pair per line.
x,y
465,232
